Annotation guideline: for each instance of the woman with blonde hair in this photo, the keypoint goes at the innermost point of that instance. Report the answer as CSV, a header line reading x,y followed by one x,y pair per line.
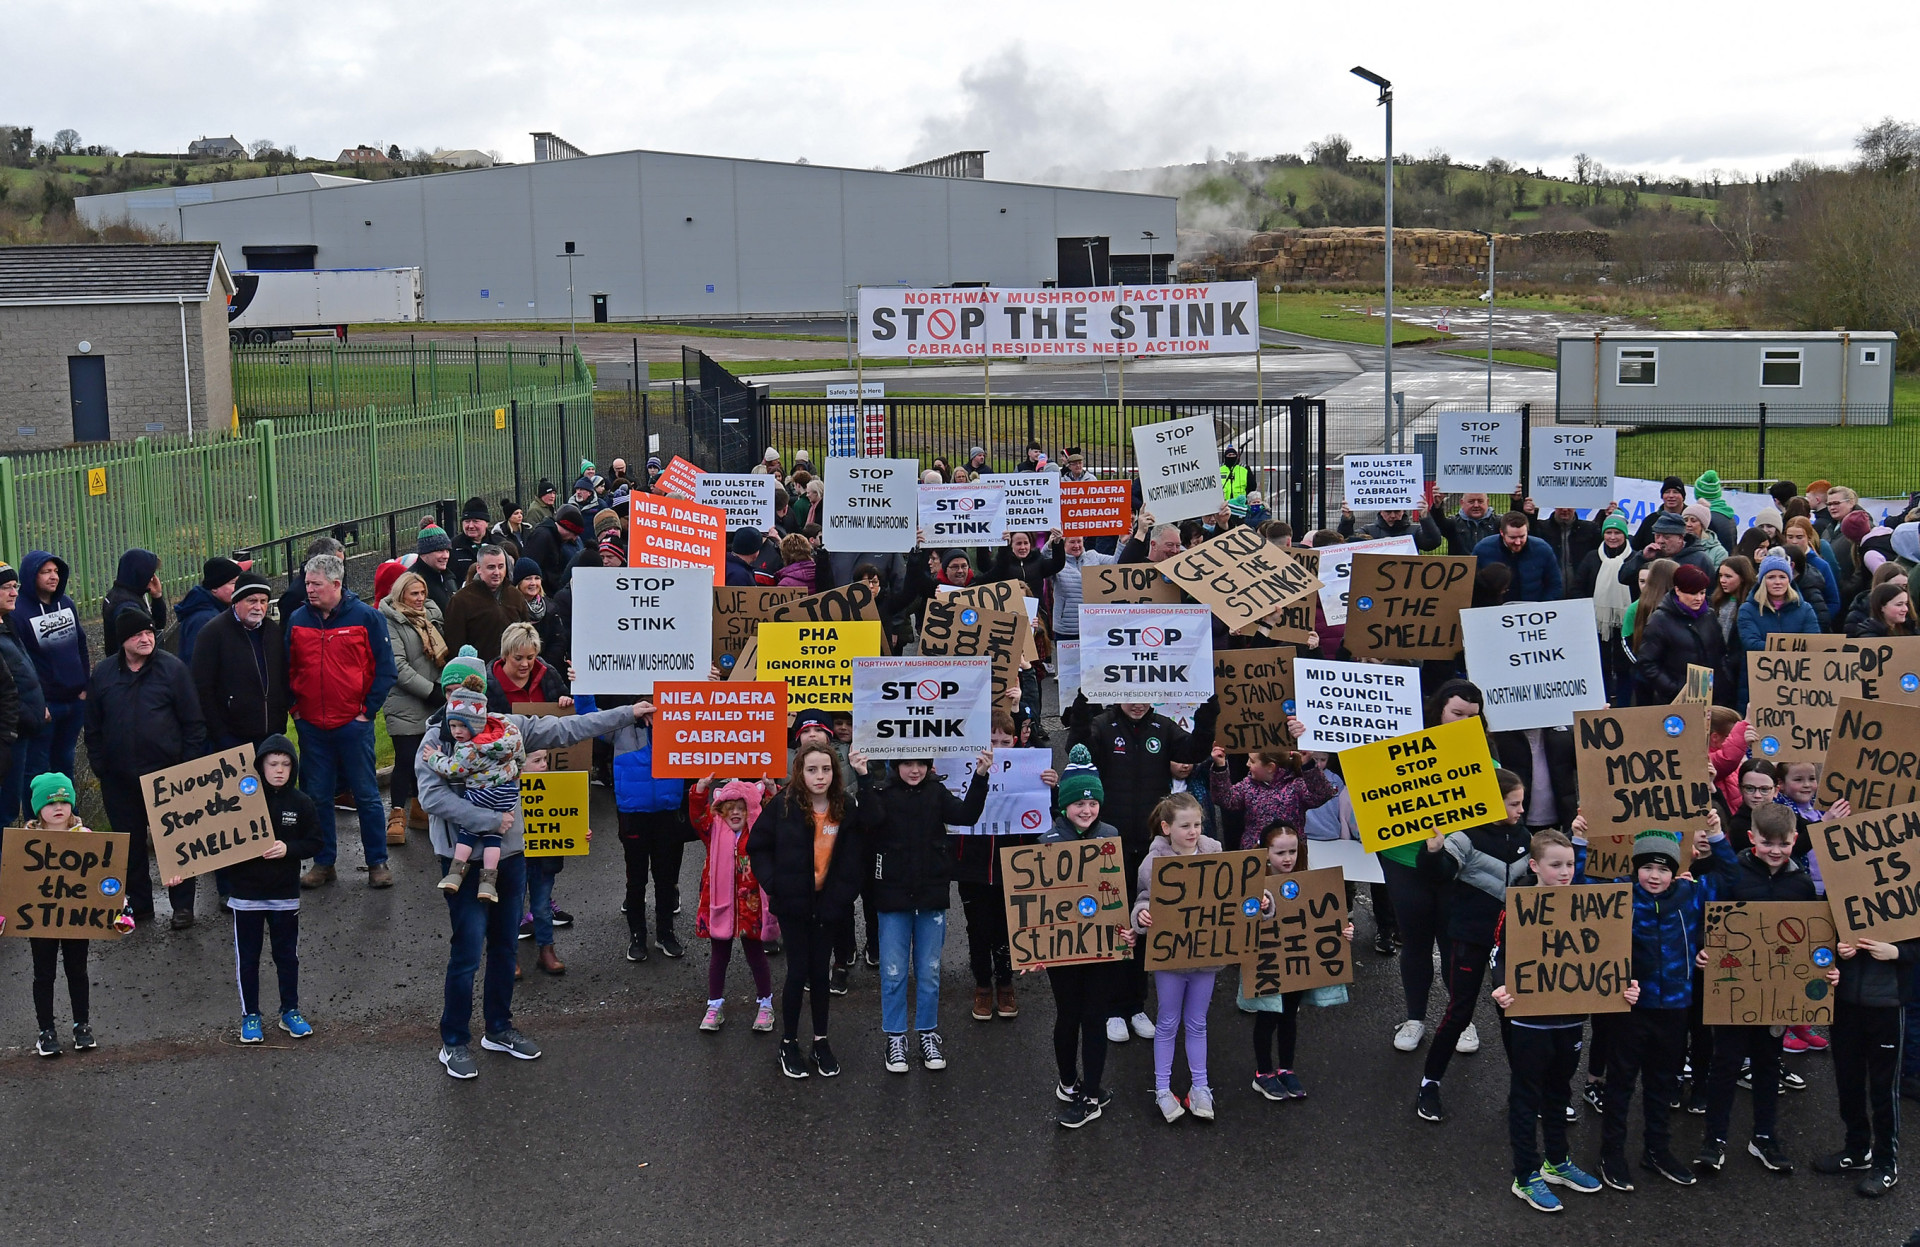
x,y
419,652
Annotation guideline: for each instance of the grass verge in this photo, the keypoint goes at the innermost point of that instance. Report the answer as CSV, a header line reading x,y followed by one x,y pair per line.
x,y
1526,359
1319,314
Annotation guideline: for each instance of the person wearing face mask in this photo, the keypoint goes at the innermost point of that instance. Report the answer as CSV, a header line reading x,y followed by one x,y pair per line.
x,y
1235,480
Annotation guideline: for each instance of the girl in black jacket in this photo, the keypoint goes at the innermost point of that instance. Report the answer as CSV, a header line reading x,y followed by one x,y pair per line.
x,y
802,857
906,823
1682,632
265,892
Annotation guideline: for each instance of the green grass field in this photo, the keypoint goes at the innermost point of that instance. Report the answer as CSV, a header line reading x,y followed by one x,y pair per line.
x,y
1327,315
1526,359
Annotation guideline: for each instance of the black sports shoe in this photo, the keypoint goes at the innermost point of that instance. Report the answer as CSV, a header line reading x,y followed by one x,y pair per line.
x,y
837,981
1573,1114
1712,1155
1844,1162
1668,1166
83,1037
526,929
1697,1100
1790,1081
1078,1111
1613,1172
792,1063
670,945
1427,1103
1883,1179
823,1059
561,918
1595,1094
637,947
872,957
1383,944
48,1045
1768,1153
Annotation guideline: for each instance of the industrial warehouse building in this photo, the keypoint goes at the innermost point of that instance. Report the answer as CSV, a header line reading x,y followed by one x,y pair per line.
x,y
667,236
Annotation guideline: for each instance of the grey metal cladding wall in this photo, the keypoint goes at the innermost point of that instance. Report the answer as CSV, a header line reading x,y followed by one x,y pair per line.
x,y
792,248
684,257
598,208
479,236
896,230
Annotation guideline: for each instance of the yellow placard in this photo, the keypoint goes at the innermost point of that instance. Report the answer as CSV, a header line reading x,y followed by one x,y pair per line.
x,y
816,660
554,804
499,417
1422,784
96,482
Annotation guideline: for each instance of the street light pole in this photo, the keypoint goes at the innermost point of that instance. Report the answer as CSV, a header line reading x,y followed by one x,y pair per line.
x,y
573,324
1488,235
1151,238
1386,99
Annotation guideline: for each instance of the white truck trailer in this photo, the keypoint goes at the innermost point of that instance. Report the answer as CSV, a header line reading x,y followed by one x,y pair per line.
x,y
272,305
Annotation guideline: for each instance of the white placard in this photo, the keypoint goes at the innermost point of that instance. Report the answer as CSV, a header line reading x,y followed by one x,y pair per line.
x,y
1146,653
870,505
1066,664
1383,482
1179,468
1536,663
1345,704
1336,567
747,497
1350,856
1218,318
1033,499
633,626
1478,452
1571,468
845,390
963,515
919,707
1019,803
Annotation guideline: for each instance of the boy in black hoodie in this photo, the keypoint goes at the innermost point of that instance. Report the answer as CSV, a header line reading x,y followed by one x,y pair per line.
x,y
1875,987
265,891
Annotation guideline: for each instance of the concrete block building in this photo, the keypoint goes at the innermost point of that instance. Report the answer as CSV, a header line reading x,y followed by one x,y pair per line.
x,y
106,343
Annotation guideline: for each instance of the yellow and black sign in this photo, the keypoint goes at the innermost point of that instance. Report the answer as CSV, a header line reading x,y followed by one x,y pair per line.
x,y
554,804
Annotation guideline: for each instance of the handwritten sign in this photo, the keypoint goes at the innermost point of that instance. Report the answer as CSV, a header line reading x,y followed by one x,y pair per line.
x,y
1609,857
1767,963
1125,584
1203,907
1871,865
1400,607
950,631
1242,576
847,603
1569,950
1096,508
1066,902
1889,668
736,730
1303,944
67,885
737,613
554,804
1424,784
1254,687
207,813
1644,769
1792,698
1874,758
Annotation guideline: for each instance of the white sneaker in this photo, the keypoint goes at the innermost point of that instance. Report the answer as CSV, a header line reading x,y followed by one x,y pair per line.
x,y
1142,1025
1170,1106
1408,1037
1469,1041
1200,1103
1117,1030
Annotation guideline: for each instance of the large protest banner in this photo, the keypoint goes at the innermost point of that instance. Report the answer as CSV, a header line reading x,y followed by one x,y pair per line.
x,y
1146,654
1401,607
1870,863
1241,575
1644,769
553,805
746,497
1066,902
1096,508
736,730
917,707
1423,784
737,613
1019,803
1572,468
672,532
1767,963
1791,699
1873,761
1345,704
1302,945
815,660
1383,482
1478,452
1203,907
1005,322
68,885
871,505
1179,468
1254,687
963,515
1033,499
1569,950
948,630
1336,566
1121,584
1537,664
633,627
207,813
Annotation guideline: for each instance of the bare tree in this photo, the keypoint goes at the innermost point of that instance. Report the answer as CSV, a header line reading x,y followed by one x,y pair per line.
x,y
66,141
259,148
1854,262
1889,147
1332,151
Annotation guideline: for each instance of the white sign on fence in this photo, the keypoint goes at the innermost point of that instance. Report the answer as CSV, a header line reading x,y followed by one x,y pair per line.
x,y
1217,318
1146,653
1019,803
747,497
845,390
1383,482
1478,452
870,505
917,707
633,626
1179,468
1571,468
1345,704
1336,566
1536,663
1033,499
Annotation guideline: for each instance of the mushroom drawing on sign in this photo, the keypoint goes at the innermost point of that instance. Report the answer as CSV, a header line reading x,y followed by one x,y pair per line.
x,y
1730,964
1108,890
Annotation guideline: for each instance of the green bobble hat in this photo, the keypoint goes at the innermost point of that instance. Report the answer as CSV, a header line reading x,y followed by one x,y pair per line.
x,y
1650,846
1707,489
1617,522
460,666
49,788
1080,780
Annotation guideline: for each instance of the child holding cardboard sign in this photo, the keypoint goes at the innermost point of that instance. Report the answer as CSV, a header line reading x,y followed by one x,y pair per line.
x,y
1184,995
52,799
1276,1019
264,893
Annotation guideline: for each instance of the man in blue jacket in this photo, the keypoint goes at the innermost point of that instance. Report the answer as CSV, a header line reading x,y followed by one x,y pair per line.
x,y
1536,572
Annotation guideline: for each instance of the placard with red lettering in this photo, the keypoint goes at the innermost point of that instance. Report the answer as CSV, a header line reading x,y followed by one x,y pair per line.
x,y
672,532
736,730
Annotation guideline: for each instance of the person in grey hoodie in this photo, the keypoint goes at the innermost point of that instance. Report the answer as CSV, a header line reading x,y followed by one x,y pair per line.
x,y
1066,561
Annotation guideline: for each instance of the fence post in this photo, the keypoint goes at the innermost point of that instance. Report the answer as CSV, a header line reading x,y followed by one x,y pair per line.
x,y
513,425
433,371
1526,447
82,548
567,472
333,357
143,471
1760,468
268,484
206,497
460,453
510,354
9,514
373,454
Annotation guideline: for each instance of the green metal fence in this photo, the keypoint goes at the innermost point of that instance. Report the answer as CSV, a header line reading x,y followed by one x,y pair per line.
x,y
324,376
283,475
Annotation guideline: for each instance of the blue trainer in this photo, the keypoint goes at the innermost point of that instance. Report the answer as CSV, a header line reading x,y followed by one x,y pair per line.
x,y
295,1025
250,1029
1570,1176
1533,1188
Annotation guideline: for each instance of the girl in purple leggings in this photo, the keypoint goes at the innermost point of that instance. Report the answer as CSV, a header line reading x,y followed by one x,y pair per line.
x,y
1183,995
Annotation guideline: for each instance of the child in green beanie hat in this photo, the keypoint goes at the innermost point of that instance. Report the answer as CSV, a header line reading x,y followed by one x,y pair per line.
x,y
53,801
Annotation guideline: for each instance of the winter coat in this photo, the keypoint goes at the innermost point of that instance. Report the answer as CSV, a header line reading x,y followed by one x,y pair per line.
x,y
544,684
635,790
194,612
906,836
1143,884
1667,931
1536,571
138,722
1031,571
1067,575
416,684
448,811
800,573
241,679
1758,621
477,616
1570,542
296,821
440,586
1670,642
50,632
1879,984
1828,599
749,899
1379,529
739,573
1515,752
1747,878
781,846
32,712
1726,763
1477,865
555,637
1134,758
550,547
1461,533
1284,799
136,572
1691,554
341,666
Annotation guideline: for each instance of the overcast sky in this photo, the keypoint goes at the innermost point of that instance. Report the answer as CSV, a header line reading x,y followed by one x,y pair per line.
x,y
1050,88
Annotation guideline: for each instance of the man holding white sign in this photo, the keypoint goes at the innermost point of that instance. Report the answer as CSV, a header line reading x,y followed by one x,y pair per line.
x,y
871,504
1179,468
1146,653
922,707
633,626
747,498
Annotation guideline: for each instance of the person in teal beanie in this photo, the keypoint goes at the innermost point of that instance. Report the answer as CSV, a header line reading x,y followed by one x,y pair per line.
x,y
1725,523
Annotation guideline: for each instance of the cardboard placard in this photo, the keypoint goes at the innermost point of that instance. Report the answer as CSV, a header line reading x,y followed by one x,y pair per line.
x,y
1609,857
207,813
1066,902
1096,508
1203,908
673,532
1241,576
1569,950
1179,465
746,668
1873,760
950,631
1121,584
1019,803
962,515
816,660
1334,566
1644,769
1033,499
575,757
67,885
1407,607
847,602
1572,468
871,504
1149,654
1478,452
1889,668
1302,945
1791,700
1538,664
1345,704
1767,963
737,613
681,477
554,805
1806,642
997,595
738,730
1698,690
1255,687
1423,784
919,707
633,627
1383,482
1871,865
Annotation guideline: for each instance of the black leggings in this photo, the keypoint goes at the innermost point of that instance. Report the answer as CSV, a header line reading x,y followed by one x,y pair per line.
x,y
809,945
405,787
1417,910
988,952
46,955
1275,1033
1466,971
1081,996
653,843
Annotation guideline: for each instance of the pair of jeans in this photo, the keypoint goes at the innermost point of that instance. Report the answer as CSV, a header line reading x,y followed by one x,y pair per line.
x,y
1183,997
1732,1045
1276,1035
809,944
46,954
1541,1062
1866,1043
283,926
1082,999
654,843
127,812
1466,971
720,954
489,929
52,747
1647,1045
989,953
911,938
540,875
330,757
18,774
1420,916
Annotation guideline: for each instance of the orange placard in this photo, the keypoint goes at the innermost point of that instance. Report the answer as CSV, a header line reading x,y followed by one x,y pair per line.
x,y
1096,508
670,532
679,477
734,730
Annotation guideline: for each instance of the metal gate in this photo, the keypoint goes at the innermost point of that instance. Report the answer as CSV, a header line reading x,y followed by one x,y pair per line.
x,y
726,424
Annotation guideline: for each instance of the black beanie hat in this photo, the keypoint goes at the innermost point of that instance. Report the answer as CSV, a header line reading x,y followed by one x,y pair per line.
x,y
129,621
476,509
251,583
746,542
217,571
